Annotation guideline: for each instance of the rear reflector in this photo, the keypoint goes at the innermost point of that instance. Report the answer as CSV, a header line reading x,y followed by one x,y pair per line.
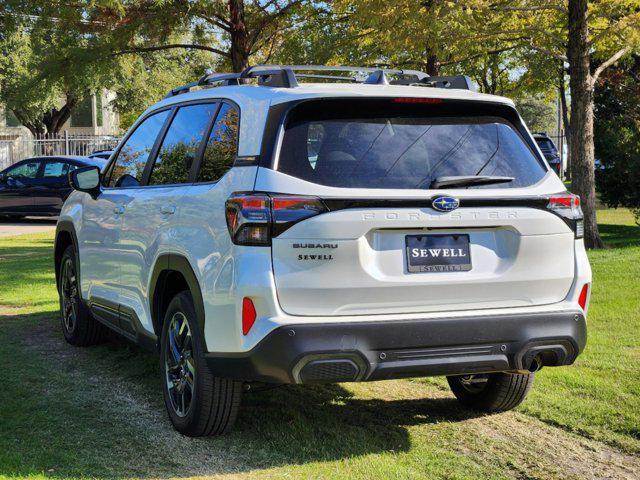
x,y
582,299
248,315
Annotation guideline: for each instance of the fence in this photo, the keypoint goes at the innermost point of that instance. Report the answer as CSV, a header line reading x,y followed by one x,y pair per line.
x,y
61,144
6,153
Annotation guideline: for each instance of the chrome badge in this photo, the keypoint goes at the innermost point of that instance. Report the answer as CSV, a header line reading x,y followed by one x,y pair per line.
x,y
445,204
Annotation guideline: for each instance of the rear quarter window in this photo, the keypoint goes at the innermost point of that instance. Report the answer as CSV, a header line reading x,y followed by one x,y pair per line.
x,y
404,149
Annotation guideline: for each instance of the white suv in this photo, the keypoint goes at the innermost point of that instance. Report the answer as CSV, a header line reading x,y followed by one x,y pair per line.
x,y
398,225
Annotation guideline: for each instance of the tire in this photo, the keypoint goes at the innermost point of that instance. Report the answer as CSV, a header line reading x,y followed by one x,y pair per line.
x,y
78,326
198,403
493,392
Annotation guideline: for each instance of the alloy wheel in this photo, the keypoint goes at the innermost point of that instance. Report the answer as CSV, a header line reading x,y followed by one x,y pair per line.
x,y
180,369
69,294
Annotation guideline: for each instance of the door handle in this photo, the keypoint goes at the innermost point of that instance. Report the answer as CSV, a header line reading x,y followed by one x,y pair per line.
x,y
168,209
118,210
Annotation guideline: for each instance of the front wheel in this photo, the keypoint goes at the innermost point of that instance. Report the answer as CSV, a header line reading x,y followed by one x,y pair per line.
x,y
198,403
78,326
491,392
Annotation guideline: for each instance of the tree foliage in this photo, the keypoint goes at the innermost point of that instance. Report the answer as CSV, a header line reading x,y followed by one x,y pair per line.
x,y
45,70
617,139
233,30
571,32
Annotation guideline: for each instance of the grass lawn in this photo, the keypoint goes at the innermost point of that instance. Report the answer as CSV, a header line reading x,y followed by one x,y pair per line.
x,y
98,412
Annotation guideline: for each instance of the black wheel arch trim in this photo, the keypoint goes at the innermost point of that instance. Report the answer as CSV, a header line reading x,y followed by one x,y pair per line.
x,y
67,227
172,262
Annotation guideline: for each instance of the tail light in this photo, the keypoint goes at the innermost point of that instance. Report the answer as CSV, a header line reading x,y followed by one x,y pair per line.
x,y
254,218
567,206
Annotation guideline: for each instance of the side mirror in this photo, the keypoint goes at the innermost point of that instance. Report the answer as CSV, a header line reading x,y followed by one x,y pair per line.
x,y
86,179
3,177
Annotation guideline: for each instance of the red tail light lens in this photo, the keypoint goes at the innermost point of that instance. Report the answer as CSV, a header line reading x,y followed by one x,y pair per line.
x,y
248,315
568,200
567,206
254,218
289,210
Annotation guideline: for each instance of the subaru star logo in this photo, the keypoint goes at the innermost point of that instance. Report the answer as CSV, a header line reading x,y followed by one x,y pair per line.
x,y
445,204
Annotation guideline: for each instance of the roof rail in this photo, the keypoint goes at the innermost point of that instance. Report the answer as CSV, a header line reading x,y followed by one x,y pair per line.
x,y
284,76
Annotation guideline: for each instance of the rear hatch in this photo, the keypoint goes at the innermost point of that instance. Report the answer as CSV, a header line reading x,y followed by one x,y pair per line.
x,y
401,229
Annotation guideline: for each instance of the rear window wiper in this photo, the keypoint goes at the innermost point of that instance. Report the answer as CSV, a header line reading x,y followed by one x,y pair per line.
x,y
468,181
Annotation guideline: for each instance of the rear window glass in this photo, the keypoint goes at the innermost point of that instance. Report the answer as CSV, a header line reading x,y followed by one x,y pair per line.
x,y
405,152
546,145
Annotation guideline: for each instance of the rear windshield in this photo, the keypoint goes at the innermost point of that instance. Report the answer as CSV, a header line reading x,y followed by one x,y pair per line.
x,y
546,145
405,152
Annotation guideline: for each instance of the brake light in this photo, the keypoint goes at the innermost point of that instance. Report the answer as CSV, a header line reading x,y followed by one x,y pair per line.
x,y
417,100
248,315
254,218
584,294
248,219
567,206
289,210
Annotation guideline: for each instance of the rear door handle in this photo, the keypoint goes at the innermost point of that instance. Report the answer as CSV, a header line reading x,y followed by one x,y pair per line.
x,y
118,210
168,209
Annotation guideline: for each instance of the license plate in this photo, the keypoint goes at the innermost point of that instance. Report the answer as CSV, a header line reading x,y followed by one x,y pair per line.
x,y
438,253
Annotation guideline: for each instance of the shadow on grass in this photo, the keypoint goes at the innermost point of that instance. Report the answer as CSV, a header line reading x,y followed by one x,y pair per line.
x,y
620,235
29,221
98,412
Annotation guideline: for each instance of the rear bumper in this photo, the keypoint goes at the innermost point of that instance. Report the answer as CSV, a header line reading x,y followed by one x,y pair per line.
x,y
361,351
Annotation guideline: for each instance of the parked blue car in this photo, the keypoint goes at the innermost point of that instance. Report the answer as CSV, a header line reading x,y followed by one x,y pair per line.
x,y
38,186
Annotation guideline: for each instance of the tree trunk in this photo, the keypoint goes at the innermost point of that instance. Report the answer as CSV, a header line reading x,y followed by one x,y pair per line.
x,y
35,127
565,120
581,143
54,119
239,36
433,65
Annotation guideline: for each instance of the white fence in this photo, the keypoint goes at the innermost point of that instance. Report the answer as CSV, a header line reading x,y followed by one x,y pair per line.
x,y
69,144
6,154
61,144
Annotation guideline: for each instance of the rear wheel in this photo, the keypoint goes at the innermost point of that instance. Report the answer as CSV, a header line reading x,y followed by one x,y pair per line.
x,y
491,392
198,403
78,326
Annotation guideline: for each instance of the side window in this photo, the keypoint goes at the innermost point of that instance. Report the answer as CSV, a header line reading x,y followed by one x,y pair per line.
x,y
181,143
55,169
129,165
222,146
26,170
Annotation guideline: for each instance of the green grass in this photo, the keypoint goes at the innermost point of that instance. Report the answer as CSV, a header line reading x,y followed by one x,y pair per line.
x,y
98,412
600,395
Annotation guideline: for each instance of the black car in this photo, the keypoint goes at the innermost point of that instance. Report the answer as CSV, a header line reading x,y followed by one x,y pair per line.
x,y
105,154
38,186
550,151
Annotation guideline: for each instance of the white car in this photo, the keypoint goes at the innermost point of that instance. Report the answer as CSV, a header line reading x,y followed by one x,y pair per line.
x,y
398,225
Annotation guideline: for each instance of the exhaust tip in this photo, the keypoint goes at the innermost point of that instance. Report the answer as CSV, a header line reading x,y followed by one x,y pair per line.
x,y
535,365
